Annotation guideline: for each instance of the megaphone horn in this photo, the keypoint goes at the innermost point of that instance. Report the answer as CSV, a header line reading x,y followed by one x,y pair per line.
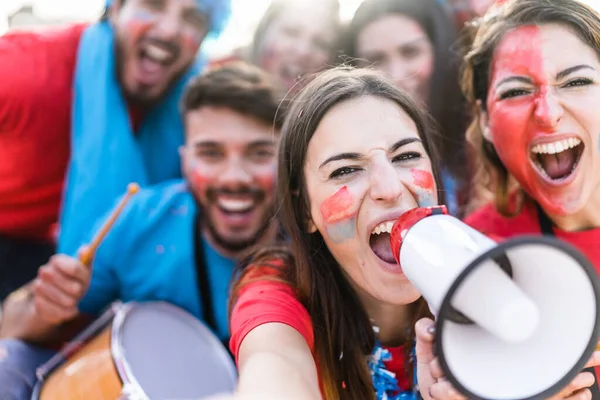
x,y
515,320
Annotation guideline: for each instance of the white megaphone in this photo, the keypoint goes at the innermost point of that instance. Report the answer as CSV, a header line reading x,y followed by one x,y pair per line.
x,y
515,320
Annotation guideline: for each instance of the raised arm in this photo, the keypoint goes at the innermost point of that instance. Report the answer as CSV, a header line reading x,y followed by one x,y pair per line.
x,y
275,362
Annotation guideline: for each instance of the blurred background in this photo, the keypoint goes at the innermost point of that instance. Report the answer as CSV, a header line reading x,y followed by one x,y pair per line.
x,y
246,14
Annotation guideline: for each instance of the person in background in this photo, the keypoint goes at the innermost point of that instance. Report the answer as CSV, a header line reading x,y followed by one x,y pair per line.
x,y
178,241
412,42
532,76
464,11
294,40
85,110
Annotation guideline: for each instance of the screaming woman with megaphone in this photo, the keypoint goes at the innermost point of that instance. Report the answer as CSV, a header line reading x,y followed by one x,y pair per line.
x,y
333,315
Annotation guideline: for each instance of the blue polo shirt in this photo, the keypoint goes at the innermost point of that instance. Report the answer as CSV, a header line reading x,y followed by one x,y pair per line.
x,y
148,255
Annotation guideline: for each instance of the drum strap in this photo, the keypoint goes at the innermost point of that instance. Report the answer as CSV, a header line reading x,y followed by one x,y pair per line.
x,y
202,276
547,228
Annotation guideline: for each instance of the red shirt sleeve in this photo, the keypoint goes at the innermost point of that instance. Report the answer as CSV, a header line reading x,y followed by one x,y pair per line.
x,y
266,301
36,76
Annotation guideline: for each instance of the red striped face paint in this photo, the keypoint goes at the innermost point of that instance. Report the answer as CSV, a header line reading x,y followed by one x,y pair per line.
x,y
139,22
426,184
339,216
529,105
200,180
423,179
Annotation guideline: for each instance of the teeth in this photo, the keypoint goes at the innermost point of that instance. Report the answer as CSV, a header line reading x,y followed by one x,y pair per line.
x,y
384,227
556,147
235,205
156,53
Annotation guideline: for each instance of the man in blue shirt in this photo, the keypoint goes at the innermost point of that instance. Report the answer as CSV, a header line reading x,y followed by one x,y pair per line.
x,y
177,242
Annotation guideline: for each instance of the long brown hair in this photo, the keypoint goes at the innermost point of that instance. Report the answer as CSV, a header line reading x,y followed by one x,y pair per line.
x,y
493,180
340,323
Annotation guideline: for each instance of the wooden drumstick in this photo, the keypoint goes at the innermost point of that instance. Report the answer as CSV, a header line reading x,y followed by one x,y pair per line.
x,y
88,254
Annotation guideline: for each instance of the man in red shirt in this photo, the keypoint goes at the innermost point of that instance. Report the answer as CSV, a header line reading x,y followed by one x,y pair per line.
x,y
95,107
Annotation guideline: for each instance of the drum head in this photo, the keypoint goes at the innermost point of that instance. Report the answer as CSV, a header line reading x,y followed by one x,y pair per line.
x,y
169,354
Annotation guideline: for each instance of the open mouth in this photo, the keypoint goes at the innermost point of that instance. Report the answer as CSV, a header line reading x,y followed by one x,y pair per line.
x,y
155,59
558,160
380,242
235,206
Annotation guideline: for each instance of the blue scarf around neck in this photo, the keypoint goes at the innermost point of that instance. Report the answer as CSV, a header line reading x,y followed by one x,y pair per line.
x,y
106,155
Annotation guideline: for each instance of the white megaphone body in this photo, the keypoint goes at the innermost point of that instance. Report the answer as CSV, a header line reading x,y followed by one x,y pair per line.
x,y
515,320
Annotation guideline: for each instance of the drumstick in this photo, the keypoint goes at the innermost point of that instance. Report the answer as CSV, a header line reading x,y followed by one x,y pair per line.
x,y
87,255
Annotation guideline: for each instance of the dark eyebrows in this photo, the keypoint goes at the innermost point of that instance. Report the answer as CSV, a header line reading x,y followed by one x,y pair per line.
x,y
261,143
403,142
357,156
568,71
208,143
559,76
522,79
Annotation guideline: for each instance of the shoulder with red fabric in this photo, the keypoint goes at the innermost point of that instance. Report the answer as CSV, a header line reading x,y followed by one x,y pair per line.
x,y
35,63
489,221
263,295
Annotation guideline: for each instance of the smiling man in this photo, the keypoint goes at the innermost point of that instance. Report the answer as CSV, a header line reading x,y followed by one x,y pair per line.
x,y
177,242
84,111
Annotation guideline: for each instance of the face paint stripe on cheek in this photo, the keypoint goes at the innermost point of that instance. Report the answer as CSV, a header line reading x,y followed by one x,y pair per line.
x,y
139,22
338,215
337,207
422,179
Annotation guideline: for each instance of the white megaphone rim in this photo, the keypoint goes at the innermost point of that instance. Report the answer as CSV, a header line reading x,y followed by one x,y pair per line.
x,y
446,309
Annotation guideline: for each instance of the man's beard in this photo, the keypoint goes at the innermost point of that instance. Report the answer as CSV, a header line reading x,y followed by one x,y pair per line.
x,y
142,97
235,245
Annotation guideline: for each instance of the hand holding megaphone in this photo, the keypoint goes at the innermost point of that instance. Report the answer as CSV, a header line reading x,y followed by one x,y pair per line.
x,y
516,320
433,385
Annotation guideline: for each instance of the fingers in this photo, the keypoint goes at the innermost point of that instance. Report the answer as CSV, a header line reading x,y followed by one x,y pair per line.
x,y
51,312
435,369
443,390
576,387
425,333
584,394
59,286
594,360
70,267
66,274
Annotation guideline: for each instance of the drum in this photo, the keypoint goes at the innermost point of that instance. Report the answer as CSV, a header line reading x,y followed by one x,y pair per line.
x,y
139,351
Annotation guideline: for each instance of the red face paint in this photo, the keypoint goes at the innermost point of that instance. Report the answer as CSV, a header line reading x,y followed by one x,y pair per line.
x,y
139,23
423,179
337,207
199,180
520,117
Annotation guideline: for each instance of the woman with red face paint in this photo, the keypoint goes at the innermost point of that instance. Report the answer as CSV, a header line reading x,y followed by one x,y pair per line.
x,y
532,75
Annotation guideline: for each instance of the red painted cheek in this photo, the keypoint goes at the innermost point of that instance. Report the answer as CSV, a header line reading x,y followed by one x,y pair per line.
x,y
199,179
138,28
337,207
265,182
190,40
423,179
512,120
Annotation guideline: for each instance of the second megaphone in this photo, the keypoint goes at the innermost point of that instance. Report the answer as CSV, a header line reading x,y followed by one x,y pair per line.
x,y
516,320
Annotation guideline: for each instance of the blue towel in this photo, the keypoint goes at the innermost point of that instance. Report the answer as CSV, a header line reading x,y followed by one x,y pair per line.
x,y
105,154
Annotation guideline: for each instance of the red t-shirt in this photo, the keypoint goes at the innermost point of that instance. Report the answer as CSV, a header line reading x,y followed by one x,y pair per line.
x,y
488,221
36,75
267,301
